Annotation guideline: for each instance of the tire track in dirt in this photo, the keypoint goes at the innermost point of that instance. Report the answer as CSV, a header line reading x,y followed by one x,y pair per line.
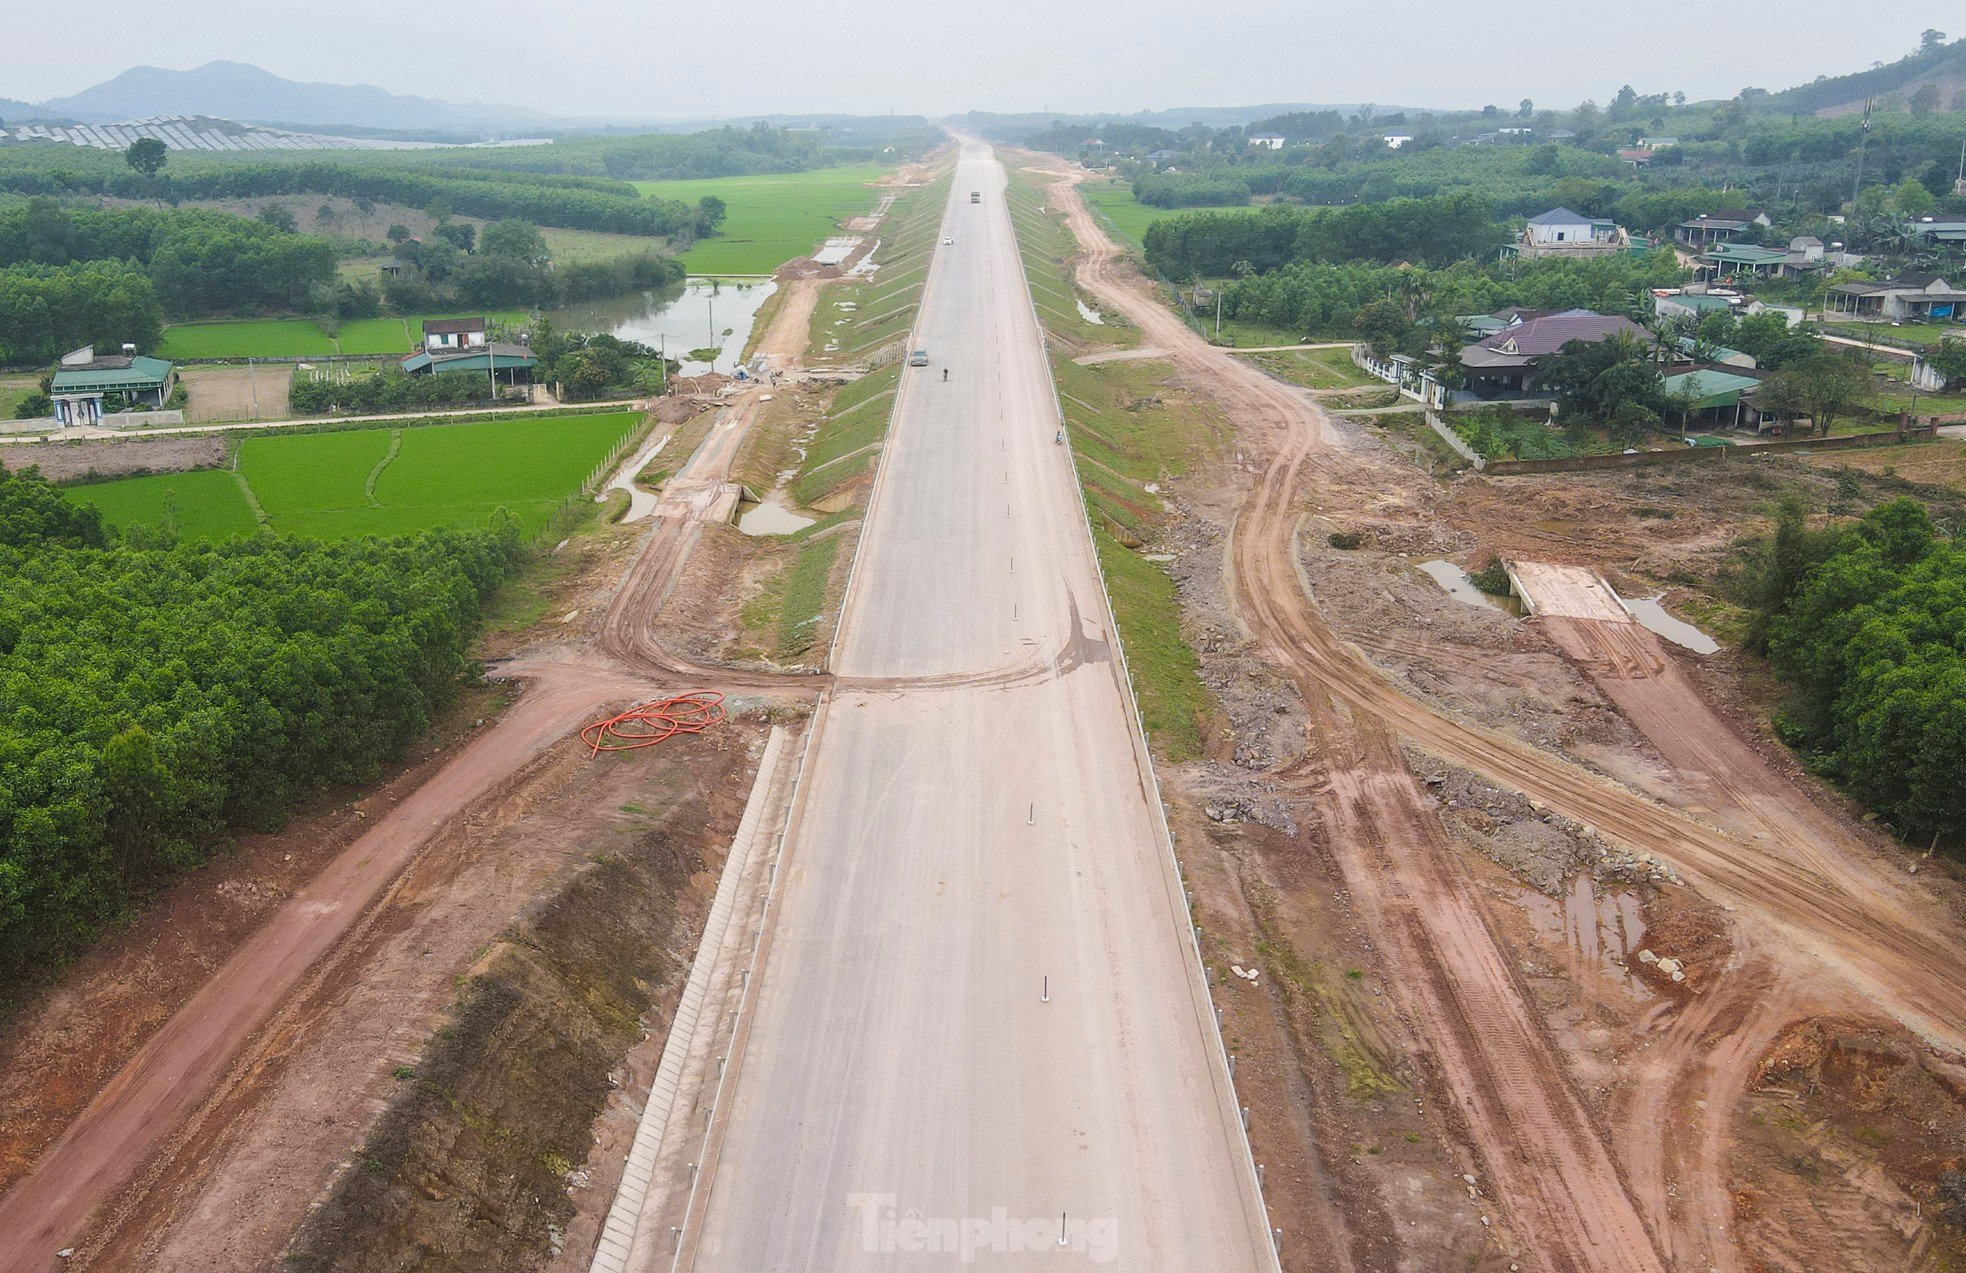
x,y
1807,897
125,1133
1548,1170
178,1068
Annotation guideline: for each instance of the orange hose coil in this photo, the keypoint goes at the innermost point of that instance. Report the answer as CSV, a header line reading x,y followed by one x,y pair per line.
x,y
655,721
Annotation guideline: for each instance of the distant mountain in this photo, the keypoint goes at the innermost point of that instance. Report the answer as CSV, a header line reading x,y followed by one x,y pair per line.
x,y
234,90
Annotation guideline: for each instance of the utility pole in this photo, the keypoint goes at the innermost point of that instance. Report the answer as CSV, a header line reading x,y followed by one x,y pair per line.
x,y
1863,143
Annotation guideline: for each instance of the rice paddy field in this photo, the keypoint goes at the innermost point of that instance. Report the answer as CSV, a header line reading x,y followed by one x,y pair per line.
x,y
374,481
773,217
206,504
1114,201
301,337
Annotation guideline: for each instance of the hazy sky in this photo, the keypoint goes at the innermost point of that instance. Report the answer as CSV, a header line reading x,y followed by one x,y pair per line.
x,y
633,57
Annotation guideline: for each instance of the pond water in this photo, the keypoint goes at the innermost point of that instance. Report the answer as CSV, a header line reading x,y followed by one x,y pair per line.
x,y
700,314
1455,583
1653,615
771,518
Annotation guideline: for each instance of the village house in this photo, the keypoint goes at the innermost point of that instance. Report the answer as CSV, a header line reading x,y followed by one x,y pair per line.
x,y
1717,397
86,387
1736,260
1722,226
1718,355
1937,232
1501,363
450,335
1907,298
1671,302
452,345
1269,141
1806,254
1504,364
1561,232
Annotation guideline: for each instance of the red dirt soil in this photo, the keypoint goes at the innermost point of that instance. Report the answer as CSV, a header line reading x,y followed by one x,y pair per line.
x,y
1820,923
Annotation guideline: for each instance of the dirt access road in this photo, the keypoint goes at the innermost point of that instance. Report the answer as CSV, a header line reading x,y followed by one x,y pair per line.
x,y
978,818
193,1055
180,1065
1824,924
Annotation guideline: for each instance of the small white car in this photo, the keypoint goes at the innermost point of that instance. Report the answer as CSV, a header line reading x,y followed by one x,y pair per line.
x,y
947,242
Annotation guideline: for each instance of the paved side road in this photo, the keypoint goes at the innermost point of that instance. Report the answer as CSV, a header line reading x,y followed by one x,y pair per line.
x,y
980,1014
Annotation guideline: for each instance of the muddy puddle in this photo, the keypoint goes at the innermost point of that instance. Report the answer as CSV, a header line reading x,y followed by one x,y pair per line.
x,y
1604,931
1652,614
701,313
1455,583
771,518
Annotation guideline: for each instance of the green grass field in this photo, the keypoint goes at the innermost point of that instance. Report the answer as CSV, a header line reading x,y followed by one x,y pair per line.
x,y
1128,216
247,338
378,481
1318,369
303,337
13,389
567,246
207,504
773,217
374,336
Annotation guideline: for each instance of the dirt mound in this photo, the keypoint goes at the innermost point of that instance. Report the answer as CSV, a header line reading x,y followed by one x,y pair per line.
x,y
116,457
1852,1142
468,1169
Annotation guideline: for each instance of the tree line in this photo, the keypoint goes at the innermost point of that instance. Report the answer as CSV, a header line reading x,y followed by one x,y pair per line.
x,y
46,310
1433,231
716,152
1326,298
509,265
572,202
72,276
156,697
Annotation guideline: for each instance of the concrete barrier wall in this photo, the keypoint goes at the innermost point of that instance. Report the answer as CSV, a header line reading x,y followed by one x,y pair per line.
x,y
141,420
1453,439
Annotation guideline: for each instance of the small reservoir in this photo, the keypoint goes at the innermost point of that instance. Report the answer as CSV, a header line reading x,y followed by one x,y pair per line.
x,y
701,313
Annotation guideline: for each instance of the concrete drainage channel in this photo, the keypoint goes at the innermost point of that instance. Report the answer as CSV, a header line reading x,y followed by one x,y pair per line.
x,y
633,1237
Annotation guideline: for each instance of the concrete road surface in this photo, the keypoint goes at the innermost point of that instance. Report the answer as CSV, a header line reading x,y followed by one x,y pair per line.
x,y
977,819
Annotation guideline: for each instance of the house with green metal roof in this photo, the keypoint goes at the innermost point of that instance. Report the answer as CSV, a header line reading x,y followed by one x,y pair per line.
x,y
465,345
86,387
1713,395
1722,260
507,364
